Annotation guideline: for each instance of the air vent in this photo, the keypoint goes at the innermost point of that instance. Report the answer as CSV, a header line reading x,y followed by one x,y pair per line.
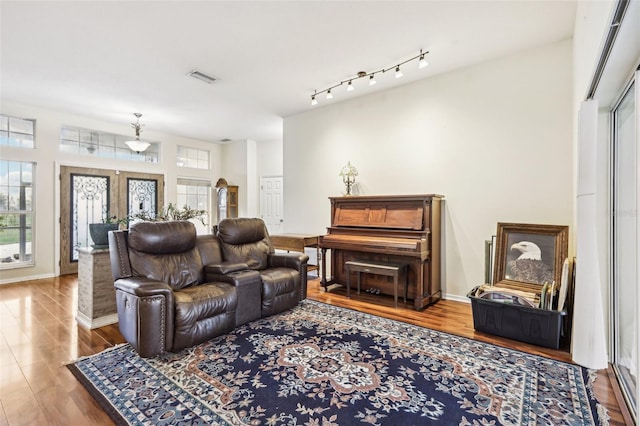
x,y
202,76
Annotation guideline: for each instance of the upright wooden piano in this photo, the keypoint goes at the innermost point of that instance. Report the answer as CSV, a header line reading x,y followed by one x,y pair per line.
x,y
394,228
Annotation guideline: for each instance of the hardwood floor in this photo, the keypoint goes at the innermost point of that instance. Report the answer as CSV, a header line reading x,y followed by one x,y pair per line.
x,y
39,335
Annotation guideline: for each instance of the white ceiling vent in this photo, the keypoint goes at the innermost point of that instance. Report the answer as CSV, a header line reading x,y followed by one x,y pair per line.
x,y
201,76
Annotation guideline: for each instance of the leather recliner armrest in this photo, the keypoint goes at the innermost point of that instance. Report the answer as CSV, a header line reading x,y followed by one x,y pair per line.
x,y
143,286
296,261
249,290
225,268
287,260
145,314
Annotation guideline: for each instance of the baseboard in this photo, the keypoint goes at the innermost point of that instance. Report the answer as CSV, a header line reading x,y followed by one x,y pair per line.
x,y
29,278
89,323
456,298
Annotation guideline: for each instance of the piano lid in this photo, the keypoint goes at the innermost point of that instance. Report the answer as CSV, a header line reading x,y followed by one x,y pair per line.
x,y
379,212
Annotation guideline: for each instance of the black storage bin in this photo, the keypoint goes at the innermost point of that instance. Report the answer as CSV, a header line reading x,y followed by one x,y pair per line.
x,y
541,327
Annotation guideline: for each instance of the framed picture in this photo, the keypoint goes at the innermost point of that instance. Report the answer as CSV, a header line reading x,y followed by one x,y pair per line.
x,y
529,255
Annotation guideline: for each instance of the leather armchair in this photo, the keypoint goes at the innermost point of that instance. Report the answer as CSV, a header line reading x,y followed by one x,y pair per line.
x,y
163,299
283,276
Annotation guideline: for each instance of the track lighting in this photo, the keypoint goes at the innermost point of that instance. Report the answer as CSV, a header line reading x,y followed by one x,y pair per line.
x,y
423,62
372,80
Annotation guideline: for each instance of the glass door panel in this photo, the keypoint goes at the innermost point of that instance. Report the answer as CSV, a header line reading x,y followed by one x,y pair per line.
x,y
87,195
625,245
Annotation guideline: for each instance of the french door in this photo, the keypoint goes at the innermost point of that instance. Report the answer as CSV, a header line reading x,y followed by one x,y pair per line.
x,y
625,244
90,195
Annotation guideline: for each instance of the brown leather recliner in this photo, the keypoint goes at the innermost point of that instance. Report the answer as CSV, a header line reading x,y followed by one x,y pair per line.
x,y
163,299
283,275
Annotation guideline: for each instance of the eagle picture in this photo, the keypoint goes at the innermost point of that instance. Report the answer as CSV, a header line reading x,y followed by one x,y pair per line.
x,y
528,266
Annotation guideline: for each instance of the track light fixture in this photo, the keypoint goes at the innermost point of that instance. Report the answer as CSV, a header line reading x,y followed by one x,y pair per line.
x,y
422,63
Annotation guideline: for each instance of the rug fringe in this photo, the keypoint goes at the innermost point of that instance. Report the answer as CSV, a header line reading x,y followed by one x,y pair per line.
x,y
603,415
111,348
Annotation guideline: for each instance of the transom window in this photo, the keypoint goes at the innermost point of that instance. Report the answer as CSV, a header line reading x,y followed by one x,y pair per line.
x,y
101,144
192,157
17,131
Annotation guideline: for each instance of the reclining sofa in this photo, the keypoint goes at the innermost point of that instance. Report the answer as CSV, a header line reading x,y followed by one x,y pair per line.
x,y
175,289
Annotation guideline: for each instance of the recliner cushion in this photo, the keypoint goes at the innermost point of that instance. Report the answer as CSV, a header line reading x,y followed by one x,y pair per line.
x,y
166,251
203,312
279,289
245,240
162,237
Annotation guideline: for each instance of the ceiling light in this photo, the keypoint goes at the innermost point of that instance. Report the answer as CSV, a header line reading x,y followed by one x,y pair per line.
x,y
361,74
137,145
201,76
423,62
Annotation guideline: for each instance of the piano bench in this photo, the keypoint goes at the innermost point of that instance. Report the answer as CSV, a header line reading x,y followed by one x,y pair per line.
x,y
388,269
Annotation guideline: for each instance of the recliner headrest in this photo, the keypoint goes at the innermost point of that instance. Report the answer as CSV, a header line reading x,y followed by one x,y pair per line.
x,y
242,230
162,237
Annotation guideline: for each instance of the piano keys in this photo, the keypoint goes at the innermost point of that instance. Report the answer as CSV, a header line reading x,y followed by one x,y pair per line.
x,y
394,228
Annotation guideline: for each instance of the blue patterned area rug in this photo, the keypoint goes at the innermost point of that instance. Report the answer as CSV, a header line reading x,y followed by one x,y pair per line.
x,y
323,365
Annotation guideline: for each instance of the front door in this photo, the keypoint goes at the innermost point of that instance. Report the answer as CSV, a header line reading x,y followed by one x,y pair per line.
x,y
89,195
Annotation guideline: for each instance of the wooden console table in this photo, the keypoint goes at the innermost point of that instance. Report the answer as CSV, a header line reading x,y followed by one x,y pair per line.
x,y
297,243
96,294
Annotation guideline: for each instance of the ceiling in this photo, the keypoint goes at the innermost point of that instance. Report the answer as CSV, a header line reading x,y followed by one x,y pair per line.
x,y
107,60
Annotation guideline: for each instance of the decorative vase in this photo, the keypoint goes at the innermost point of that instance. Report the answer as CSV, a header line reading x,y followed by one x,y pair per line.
x,y
100,233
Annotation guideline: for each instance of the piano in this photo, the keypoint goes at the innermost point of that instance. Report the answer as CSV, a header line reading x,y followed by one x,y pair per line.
x,y
393,228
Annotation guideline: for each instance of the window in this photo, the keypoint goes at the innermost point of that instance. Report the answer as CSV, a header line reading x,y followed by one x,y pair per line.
x,y
100,144
193,158
16,131
196,194
16,213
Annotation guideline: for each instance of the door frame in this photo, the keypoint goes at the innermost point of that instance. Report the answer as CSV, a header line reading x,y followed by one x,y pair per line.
x,y
117,204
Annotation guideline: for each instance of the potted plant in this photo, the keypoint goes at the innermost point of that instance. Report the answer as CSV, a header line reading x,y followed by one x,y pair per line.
x,y
171,212
100,231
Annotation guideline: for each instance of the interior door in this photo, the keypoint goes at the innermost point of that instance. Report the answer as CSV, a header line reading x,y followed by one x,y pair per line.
x,y
271,203
87,195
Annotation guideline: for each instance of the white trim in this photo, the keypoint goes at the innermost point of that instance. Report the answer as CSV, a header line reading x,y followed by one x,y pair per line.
x,y
30,278
456,298
89,323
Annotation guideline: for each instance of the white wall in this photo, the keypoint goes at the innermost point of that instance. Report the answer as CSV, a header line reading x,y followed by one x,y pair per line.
x,y
269,158
495,139
49,158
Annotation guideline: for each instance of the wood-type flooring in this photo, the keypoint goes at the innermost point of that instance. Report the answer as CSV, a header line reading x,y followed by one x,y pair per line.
x,y
39,336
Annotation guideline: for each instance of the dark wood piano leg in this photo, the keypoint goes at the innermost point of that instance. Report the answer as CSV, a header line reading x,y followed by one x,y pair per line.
x,y
323,282
419,302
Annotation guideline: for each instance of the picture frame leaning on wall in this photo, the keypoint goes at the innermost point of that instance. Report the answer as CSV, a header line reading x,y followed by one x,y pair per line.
x,y
530,255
